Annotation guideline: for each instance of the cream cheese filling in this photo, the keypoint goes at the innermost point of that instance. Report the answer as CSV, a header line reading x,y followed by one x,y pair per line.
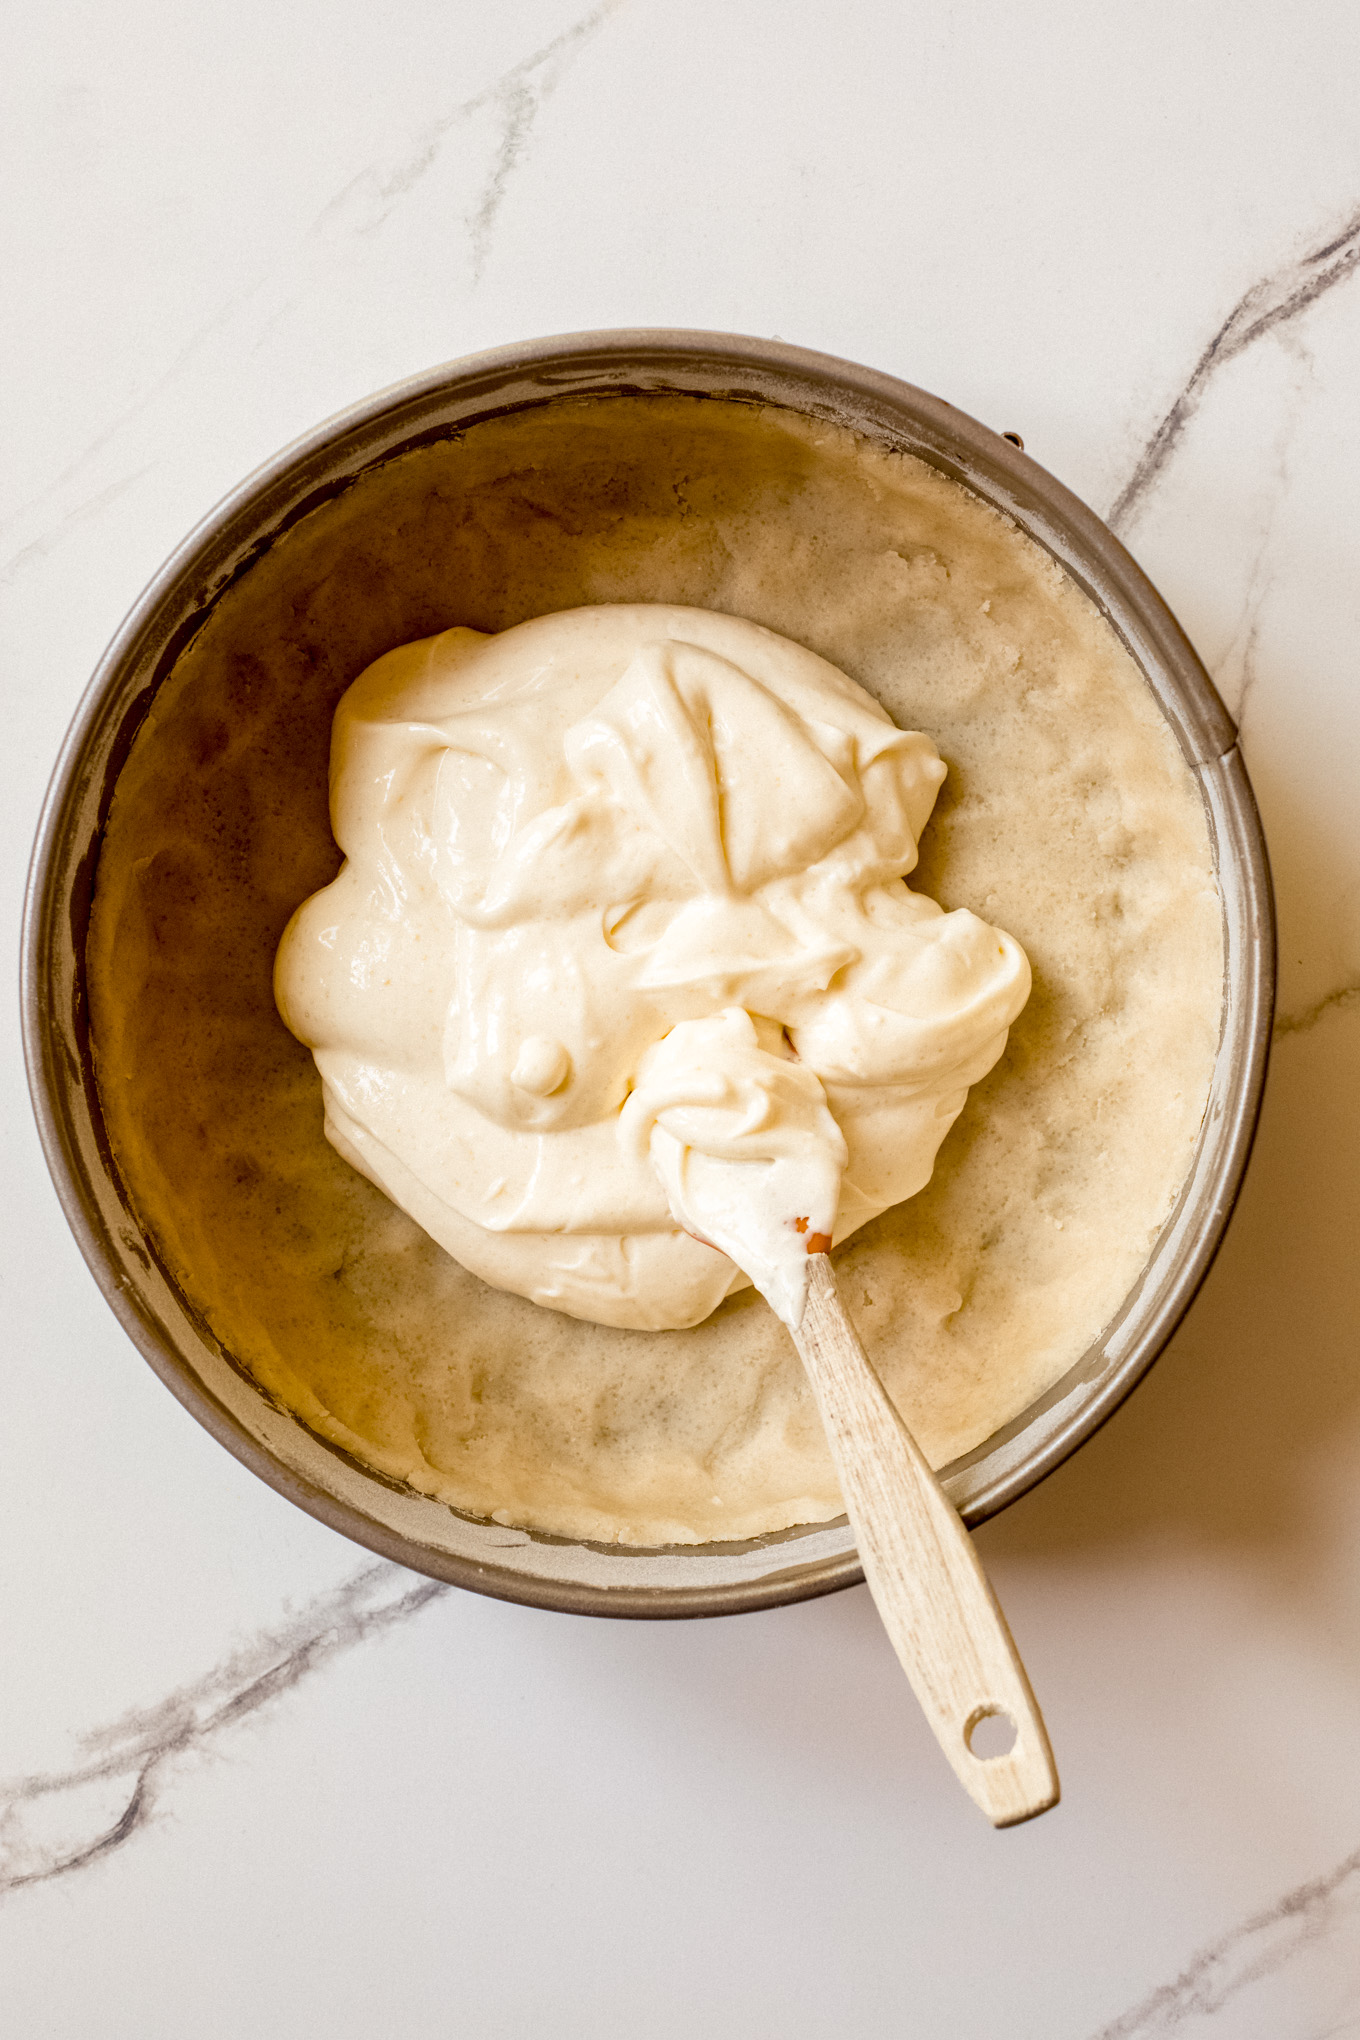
x,y
624,903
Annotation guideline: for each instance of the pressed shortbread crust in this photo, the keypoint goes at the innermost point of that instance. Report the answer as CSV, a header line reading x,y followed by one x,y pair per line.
x,y
1069,817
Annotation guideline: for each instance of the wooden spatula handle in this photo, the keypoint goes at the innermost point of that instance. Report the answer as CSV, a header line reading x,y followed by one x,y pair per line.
x,y
923,1571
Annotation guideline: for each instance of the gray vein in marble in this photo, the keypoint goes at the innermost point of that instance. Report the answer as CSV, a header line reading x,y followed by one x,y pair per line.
x,y
1269,305
1303,1022
1237,672
1242,651
130,412
518,100
515,100
134,1758
1262,1945
38,548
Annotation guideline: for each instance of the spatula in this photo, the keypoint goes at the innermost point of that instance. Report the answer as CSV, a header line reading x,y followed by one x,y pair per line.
x,y
741,1137
923,1571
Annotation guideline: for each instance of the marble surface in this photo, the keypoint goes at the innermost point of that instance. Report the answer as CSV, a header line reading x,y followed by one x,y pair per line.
x,y
256,1783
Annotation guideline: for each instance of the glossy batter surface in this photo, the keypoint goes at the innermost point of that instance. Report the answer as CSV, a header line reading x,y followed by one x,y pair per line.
x,y
1068,818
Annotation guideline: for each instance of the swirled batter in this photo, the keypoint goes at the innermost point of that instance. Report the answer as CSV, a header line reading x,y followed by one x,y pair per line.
x,y
568,841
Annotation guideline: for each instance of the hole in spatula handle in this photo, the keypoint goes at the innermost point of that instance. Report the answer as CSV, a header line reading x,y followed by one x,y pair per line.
x,y
990,1733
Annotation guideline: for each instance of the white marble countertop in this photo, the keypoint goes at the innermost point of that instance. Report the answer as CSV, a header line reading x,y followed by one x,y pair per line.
x,y
258,1784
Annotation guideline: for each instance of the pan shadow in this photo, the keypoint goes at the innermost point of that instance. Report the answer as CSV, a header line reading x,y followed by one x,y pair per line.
x,y
1258,1394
